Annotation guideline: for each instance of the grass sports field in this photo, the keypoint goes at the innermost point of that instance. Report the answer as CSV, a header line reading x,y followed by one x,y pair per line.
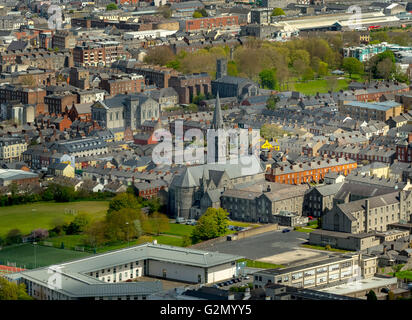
x,y
28,217
321,86
27,256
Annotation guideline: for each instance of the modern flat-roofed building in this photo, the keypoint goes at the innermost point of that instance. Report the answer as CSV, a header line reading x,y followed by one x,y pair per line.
x,y
322,273
104,276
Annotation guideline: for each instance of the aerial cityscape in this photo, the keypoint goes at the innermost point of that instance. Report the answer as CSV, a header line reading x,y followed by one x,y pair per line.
x,y
205,150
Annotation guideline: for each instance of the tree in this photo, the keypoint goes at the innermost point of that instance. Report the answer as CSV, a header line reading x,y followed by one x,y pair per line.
x,y
197,14
160,55
14,236
123,200
111,6
199,98
165,11
13,291
385,69
272,101
383,65
352,66
232,69
371,296
28,80
308,74
200,13
121,225
79,224
40,234
213,223
271,131
186,241
300,66
95,234
278,12
268,78
159,222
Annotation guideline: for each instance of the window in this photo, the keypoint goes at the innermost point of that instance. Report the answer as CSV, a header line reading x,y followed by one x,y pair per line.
x,y
297,275
310,273
321,270
334,267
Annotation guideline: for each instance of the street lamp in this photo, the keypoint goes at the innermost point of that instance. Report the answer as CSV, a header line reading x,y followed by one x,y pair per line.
x,y
128,241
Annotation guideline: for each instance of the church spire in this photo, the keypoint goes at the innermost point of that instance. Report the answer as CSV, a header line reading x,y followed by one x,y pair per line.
x,y
217,115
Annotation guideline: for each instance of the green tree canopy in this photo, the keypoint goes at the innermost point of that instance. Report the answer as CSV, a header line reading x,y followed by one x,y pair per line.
x,y
123,200
14,236
272,101
197,14
111,6
12,291
268,78
213,223
352,66
278,12
159,222
371,295
120,224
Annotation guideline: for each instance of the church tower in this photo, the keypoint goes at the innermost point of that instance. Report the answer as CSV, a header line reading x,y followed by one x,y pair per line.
x,y
220,147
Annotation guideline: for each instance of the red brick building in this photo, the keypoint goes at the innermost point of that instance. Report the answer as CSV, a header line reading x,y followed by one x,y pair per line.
x,y
150,190
404,150
210,23
309,171
130,84
98,54
57,103
190,86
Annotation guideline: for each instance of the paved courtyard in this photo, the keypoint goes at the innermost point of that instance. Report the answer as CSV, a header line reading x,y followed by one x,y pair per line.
x,y
274,247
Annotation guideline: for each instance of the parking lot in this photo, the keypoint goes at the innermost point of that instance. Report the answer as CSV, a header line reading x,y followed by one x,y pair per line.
x,y
274,247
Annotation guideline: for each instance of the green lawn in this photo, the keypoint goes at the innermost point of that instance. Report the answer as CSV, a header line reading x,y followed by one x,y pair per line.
x,y
24,255
321,86
179,229
69,241
323,248
260,264
28,217
403,274
304,229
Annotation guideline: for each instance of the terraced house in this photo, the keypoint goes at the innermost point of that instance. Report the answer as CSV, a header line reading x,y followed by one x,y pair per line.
x,y
309,171
371,214
11,149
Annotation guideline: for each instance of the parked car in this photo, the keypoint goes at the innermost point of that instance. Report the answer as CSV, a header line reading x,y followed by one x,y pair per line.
x,y
285,230
247,278
310,218
191,221
216,286
180,220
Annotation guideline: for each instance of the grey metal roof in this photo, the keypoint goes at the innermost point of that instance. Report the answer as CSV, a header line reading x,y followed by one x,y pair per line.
x,y
76,282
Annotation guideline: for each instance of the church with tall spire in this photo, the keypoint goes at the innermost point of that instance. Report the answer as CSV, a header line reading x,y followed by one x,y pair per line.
x,y
220,147
217,122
